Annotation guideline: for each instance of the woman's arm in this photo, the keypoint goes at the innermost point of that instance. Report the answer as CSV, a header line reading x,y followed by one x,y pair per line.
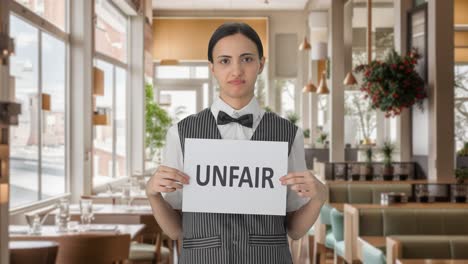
x,y
302,184
166,179
306,185
168,219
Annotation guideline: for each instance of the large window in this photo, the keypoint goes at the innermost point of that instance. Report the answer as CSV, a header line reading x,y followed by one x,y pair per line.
x,y
110,148
110,139
182,90
360,119
38,149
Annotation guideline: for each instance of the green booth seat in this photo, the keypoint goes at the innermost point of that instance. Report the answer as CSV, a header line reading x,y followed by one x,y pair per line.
x,y
373,255
425,232
337,223
325,219
433,247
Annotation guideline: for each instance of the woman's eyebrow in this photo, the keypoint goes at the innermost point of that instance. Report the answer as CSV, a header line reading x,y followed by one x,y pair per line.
x,y
246,54
243,54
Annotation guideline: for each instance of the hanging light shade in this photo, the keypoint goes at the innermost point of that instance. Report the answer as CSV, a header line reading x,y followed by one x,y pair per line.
x,y
309,88
350,79
319,51
323,88
305,45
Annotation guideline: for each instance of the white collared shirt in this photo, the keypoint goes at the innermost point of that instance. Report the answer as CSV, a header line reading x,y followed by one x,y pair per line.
x,y
172,153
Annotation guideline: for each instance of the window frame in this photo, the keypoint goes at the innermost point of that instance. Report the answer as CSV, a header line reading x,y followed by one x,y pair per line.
x,y
42,25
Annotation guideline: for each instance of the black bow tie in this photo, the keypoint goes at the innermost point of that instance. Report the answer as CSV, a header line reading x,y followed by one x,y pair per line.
x,y
245,120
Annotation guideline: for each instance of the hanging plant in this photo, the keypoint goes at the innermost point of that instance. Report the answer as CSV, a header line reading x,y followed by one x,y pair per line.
x,y
393,84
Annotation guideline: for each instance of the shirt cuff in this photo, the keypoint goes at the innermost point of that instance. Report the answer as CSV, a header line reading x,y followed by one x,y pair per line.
x,y
174,199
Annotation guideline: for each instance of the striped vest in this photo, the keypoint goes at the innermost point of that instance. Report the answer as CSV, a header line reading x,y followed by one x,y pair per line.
x,y
210,238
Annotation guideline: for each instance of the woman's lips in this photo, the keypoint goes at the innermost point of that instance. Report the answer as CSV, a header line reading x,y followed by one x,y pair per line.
x,y
237,82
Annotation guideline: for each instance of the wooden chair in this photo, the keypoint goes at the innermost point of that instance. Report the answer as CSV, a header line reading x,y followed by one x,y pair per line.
x,y
99,248
154,246
42,252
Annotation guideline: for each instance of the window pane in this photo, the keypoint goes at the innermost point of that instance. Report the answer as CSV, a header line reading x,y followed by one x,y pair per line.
x,y
52,10
461,105
53,122
103,137
24,150
110,31
287,97
201,72
360,119
120,121
181,103
172,72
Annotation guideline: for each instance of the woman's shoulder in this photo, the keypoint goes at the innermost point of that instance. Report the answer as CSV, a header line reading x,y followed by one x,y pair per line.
x,y
202,114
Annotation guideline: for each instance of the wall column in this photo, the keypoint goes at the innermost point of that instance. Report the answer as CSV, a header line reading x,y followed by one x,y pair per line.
x,y
337,74
441,89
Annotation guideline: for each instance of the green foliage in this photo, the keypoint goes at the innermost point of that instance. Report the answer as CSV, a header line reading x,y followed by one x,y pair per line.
x,y
267,109
306,133
369,154
393,84
387,150
322,138
464,151
292,117
461,174
157,122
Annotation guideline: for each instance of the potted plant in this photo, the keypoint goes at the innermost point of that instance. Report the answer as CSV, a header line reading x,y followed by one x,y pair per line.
x,y
355,172
306,134
322,138
459,189
157,124
393,84
403,172
367,169
387,150
292,117
462,156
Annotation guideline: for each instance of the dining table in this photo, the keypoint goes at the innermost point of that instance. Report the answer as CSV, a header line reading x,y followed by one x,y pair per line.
x,y
22,232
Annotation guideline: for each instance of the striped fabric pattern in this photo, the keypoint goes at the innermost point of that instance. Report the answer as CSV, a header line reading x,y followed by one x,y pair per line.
x,y
234,238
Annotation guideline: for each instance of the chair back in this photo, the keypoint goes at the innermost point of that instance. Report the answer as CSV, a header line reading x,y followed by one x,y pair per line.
x,y
42,252
99,248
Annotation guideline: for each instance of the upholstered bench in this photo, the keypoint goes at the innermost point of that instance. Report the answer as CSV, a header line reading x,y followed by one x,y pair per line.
x,y
426,247
416,222
364,193
358,193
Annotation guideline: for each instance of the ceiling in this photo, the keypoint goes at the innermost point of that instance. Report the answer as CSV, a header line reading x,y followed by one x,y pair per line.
x,y
229,4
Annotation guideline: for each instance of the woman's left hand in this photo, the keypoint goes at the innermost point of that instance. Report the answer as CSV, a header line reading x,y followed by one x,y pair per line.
x,y
305,184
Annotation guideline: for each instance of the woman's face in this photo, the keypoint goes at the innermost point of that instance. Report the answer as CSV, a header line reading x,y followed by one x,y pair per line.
x,y
236,65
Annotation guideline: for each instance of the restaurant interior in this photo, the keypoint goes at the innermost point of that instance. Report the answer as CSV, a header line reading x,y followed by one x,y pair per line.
x,y
88,90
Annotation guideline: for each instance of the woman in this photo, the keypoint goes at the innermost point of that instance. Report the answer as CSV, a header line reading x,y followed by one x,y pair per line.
x,y
235,55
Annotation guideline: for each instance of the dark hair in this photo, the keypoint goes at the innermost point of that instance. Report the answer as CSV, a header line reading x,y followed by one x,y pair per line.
x,y
231,28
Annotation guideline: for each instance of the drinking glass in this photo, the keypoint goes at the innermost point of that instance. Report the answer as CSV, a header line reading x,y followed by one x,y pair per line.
x,y
126,198
63,215
86,212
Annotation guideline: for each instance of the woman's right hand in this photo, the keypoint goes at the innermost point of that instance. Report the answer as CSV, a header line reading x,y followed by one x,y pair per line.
x,y
166,179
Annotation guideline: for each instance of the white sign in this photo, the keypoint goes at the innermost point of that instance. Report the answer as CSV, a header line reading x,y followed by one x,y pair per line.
x,y
235,176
